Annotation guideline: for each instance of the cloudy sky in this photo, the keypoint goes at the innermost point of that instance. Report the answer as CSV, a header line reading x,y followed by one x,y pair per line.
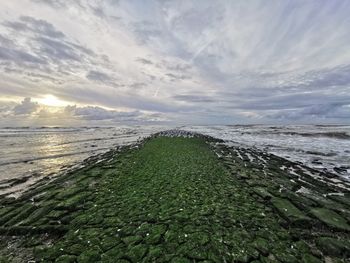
x,y
80,62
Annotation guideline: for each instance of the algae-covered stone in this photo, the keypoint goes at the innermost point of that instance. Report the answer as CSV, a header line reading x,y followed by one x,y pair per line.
x,y
155,252
155,233
330,218
197,253
89,256
20,213
130,240
334,247
285,256
36,215
180,260
109,242
173,200
74,202
76,249
290,212
262,192
307,258
113,254
69,192
262,245
66,259
136,253
200,238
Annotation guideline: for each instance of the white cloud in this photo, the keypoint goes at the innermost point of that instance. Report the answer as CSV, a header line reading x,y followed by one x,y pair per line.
x,y
27,106
219,61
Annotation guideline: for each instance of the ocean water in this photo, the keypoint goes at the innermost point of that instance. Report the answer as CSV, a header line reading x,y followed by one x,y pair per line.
x,y
322,147
30,154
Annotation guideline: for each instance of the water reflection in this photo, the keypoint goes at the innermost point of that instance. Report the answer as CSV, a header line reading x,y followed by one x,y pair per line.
x,y
36,153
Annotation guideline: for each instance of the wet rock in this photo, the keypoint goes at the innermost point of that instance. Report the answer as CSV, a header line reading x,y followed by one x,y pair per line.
x,y
334,247
172,199
285,256
66,259
155,252
307,258
130,240
114,255
330,218
180,260
154,236
136,253
262,192
197,253
89,256
288,211
262,245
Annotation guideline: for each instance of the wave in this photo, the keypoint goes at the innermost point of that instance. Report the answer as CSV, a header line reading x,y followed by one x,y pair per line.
x,y
335,135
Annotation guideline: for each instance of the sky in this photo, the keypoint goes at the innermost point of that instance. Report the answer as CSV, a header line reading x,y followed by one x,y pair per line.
x,y
203,62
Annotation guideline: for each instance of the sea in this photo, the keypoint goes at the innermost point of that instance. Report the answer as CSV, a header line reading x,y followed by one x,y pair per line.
x,y
29,154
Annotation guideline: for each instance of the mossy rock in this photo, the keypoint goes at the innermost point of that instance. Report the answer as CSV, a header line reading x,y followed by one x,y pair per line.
x,y
172,200
262,245
154,234
69,192
197,253
36,215
308,258
262,192
180,260
76,249
89,256
131,240
74,202
136,253
19,214
66,259
292,214
334,247
330,218
113,254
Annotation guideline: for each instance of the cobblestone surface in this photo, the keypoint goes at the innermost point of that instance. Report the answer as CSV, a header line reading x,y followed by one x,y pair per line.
x,y
176,199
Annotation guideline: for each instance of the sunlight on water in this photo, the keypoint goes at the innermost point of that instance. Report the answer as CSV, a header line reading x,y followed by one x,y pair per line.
x,y
31,154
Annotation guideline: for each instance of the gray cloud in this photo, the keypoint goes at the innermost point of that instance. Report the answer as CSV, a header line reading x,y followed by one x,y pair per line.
x,y
319,111
194,98
54,3
93,113
39,26
26,107
268,61
58,50
5,42
144,61
98,76
174,77
138,85
19,56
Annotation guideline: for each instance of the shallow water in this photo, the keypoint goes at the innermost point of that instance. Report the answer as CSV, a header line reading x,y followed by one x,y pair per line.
x,y
32,153
317,146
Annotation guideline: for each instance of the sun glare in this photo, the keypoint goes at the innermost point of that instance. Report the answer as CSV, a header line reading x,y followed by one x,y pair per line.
x,y
53,101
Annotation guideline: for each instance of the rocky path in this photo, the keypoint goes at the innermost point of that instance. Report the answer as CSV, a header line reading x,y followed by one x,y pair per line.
x,y
176,199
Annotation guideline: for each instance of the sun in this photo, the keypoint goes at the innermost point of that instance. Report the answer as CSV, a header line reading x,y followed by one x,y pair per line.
x,y
53,101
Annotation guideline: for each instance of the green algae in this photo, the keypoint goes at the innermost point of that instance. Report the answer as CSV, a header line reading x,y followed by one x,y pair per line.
x,y
331,218
334,247
172,200
290,212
